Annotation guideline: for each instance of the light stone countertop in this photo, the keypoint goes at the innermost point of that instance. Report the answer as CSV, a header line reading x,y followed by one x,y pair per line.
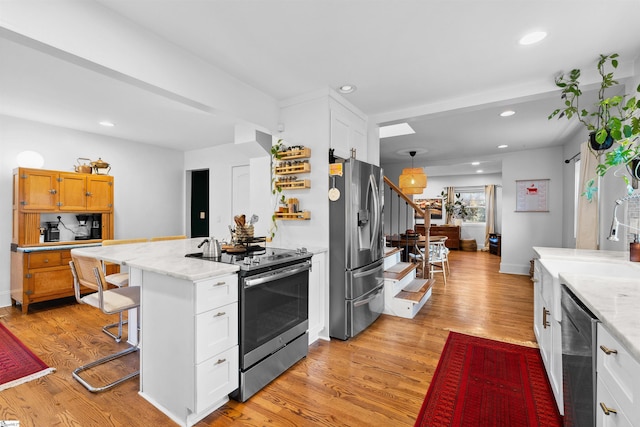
x,y
163,257
614,302
613,299
581,254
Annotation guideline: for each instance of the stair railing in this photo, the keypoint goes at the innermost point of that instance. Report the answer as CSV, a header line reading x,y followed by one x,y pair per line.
x,y
401,213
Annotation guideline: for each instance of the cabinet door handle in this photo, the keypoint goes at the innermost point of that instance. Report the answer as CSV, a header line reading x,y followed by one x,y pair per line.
x,y
219,283
221,361
545,313
89,194
46,260
608,350
222,313
53,191
606,410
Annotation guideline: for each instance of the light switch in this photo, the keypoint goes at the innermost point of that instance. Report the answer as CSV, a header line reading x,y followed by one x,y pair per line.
x,y
202,215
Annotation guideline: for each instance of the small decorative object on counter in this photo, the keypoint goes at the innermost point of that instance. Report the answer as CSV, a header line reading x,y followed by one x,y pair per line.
x,y
634,249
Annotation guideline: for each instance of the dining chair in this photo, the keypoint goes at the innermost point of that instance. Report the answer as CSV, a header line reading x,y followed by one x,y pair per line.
x,y
87,272
160,238
438,259
118,280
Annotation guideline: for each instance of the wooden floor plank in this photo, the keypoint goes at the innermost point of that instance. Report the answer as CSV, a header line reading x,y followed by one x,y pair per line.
x,y
379,377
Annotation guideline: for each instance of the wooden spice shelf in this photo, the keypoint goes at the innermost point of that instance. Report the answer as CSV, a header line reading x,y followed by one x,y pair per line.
x,y
288,170
299,216
295,154
294,185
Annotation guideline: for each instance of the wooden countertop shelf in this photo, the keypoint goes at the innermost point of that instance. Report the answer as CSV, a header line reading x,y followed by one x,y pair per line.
x,y
298,216
288,170
294,185
295,154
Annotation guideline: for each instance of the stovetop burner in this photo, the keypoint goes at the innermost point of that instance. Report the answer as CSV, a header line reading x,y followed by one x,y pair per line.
x,y
257,257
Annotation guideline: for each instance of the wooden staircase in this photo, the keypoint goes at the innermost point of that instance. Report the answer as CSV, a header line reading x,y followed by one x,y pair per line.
x,y
404,293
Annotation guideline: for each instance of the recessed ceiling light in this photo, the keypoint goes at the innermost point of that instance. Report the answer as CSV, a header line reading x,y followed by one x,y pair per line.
x,y
479,171
396,130
533,37
107,124
475,163
503,146
347,88
507,113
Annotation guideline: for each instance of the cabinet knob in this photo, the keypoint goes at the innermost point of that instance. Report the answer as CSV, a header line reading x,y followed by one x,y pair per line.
x,y
607,410
53,191
88,194
608,350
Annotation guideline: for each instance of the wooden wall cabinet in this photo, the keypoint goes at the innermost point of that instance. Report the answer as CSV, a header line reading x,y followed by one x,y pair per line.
x,y
451,231
37,190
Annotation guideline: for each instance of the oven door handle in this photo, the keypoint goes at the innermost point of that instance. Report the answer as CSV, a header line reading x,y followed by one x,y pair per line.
x,y
368,300
276,275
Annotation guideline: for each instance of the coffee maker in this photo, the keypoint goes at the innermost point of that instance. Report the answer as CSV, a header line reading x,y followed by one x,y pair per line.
x,y
52,233
96,226
83,232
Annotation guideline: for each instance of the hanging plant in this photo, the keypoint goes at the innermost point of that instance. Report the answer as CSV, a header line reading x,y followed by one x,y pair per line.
x,y
614,123
276,154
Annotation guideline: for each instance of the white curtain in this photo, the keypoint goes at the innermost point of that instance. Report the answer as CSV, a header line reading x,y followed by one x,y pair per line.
x,y
451,197
588,229
490,213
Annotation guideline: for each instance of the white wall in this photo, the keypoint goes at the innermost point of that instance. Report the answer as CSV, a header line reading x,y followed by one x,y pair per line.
x,y
523,230
148,181
220,160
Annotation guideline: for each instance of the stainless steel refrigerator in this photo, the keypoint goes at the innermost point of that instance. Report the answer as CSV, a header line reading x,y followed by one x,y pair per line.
x,y
356,248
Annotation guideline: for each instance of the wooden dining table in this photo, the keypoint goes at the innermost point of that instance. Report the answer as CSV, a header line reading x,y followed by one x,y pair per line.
x,y
410,243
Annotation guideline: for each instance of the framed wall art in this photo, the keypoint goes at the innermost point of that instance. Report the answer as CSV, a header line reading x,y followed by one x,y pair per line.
x,y
532,195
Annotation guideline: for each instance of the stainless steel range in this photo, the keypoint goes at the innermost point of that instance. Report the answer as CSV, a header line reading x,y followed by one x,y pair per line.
x,y
273,313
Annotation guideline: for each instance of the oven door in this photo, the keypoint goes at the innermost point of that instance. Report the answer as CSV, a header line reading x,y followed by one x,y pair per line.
x,y
274,310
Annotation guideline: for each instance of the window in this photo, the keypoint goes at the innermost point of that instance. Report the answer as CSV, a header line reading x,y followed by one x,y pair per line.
x,y
474,202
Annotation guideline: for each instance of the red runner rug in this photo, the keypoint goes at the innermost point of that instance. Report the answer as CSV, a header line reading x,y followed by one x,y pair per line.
x,y
17,363
481,382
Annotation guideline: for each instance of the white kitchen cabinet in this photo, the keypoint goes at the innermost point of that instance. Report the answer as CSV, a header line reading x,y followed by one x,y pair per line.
x,y
618,389
547,329
318,297
348,131
189,357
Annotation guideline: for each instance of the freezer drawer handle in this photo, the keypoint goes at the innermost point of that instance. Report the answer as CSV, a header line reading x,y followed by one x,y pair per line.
x,y
368,300
606,410
608,350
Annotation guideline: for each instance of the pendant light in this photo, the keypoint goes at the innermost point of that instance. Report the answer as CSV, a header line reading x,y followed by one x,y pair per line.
x,y
413,180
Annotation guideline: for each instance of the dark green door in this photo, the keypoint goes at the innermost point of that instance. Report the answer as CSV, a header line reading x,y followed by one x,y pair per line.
x,y
200,203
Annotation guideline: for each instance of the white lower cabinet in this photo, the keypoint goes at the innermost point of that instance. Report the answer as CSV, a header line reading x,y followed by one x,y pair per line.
x,y
189,344
618,388
547,329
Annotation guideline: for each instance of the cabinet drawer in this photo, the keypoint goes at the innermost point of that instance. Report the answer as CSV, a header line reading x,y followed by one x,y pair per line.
x,y
44,259
216,378
216,330
619,371
216,292
612,419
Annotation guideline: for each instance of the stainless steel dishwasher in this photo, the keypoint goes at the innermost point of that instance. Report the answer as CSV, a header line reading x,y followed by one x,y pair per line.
x,y
578,361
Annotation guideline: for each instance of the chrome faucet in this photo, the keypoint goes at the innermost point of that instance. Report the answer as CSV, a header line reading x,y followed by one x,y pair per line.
x,y
613,233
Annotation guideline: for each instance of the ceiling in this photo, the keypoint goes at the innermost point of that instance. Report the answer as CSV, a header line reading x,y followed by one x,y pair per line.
x,y
448,67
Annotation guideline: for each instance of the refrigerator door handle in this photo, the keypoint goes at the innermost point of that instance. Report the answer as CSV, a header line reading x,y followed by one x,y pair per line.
x,y
373,187
368,300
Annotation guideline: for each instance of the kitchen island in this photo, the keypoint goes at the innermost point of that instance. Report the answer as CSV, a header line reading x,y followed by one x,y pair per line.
x,y
608,285
188,325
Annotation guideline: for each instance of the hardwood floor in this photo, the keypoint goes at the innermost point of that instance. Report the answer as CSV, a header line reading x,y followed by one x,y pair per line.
x,y
377,378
